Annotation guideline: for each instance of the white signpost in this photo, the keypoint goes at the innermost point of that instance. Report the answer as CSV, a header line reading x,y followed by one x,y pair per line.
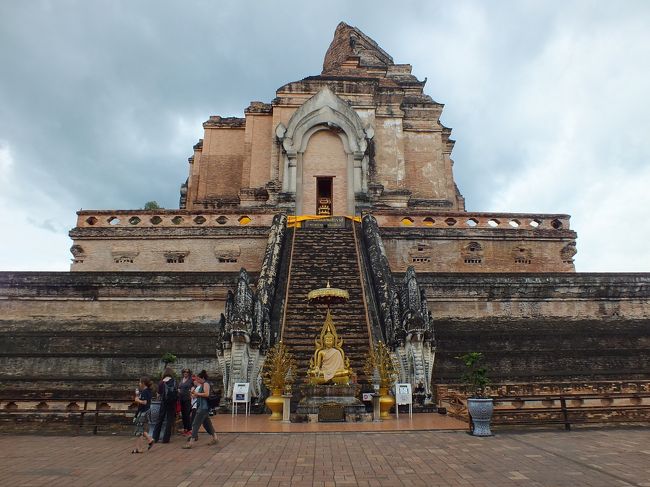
x,y
403,395
241,394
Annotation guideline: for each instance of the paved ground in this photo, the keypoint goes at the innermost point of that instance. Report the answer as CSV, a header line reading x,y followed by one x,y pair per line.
x,y
259,423
595,457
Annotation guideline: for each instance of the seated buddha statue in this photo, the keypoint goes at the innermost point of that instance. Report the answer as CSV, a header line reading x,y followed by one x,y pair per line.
x,y
329,364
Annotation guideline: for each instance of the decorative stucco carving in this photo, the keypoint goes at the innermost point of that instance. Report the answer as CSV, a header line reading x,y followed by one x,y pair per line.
x,y
77,251
327,109
568,252
403,313
472,253
420,253
124,256
244,328
522,255
227,252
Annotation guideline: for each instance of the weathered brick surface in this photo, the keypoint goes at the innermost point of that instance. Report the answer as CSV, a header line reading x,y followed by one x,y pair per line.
x,y
565,297
200,254
533,350
222,160
85,333
325,157
542,327
110,327
409,150
259,134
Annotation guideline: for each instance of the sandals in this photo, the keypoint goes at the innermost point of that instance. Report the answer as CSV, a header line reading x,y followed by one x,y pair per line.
x,y
187,445
150,444
136,451
213,441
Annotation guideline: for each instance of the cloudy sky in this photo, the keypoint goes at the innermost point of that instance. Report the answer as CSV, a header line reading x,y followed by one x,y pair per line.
x,y
101,102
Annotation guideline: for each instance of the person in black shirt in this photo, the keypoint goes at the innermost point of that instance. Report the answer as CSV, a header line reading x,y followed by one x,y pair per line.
x,y
142,398
184,389
168,392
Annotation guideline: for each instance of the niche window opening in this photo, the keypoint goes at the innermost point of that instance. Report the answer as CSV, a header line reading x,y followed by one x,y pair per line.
x,y
324,205
418,260
178,259
175,257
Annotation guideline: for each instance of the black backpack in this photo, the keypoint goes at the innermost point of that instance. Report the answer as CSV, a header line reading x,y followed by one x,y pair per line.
x,y
170,392
214,398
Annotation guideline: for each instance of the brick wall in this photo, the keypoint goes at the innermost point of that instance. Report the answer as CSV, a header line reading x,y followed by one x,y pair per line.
x,y
88,334
163,254
325,156
260,140
222,159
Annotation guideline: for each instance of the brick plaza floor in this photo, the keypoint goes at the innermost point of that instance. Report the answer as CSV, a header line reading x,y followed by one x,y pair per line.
x,y
587,457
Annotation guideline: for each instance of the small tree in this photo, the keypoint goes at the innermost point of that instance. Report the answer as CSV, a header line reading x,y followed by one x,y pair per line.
x,y
168,358
475,377
151,205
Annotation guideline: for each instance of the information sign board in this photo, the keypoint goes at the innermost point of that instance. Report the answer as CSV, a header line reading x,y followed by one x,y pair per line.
x,y
403,395
241,391
241,394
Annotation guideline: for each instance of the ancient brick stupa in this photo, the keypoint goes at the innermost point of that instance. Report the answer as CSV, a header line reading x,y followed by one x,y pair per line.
x,y
344,176
360,137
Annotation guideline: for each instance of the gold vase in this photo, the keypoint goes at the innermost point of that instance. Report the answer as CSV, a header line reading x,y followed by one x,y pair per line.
x,y
386,401
275,403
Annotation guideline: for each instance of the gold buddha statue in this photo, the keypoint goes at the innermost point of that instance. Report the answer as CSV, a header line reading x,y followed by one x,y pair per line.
x,y
329,364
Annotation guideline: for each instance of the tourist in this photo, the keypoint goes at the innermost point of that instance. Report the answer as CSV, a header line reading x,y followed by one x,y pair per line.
x,y
195,400
168,391
184,392
154,414
201,392
142,398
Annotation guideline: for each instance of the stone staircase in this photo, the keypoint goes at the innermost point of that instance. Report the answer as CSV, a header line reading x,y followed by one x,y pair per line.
x,y
319,255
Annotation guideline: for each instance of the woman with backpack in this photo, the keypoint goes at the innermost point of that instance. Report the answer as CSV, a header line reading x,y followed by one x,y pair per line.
x,y
142,398
184,391
201,392
168,392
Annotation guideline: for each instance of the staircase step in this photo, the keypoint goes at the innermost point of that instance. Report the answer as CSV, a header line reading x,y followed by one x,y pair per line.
x,y
321,255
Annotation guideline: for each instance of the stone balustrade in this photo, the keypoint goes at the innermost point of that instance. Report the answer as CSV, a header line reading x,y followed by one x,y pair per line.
x,y
184,218
491,221
168,218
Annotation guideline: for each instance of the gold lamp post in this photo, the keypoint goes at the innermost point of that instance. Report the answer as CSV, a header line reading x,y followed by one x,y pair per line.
x,y
276,375
381,368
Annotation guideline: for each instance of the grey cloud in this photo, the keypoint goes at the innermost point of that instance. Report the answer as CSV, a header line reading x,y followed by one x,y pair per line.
x,y
101,102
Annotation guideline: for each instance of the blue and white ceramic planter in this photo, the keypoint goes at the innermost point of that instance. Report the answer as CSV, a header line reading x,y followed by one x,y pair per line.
x,y
481,412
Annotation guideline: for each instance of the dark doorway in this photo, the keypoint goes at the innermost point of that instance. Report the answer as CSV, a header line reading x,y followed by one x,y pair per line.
x,y
324,195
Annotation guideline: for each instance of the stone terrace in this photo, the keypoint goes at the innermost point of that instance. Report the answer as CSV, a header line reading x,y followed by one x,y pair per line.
x,y
598,457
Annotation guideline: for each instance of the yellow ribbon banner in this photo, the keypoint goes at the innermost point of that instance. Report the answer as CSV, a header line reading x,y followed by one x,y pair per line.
x,y
296,220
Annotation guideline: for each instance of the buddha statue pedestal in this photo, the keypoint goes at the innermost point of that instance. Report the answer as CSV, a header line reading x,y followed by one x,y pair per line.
x,y
325,399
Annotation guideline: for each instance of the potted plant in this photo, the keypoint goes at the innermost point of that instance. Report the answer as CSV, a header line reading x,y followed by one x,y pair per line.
x,y
479,406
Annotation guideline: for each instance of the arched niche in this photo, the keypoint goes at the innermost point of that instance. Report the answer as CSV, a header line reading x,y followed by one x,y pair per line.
x,y
324,111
